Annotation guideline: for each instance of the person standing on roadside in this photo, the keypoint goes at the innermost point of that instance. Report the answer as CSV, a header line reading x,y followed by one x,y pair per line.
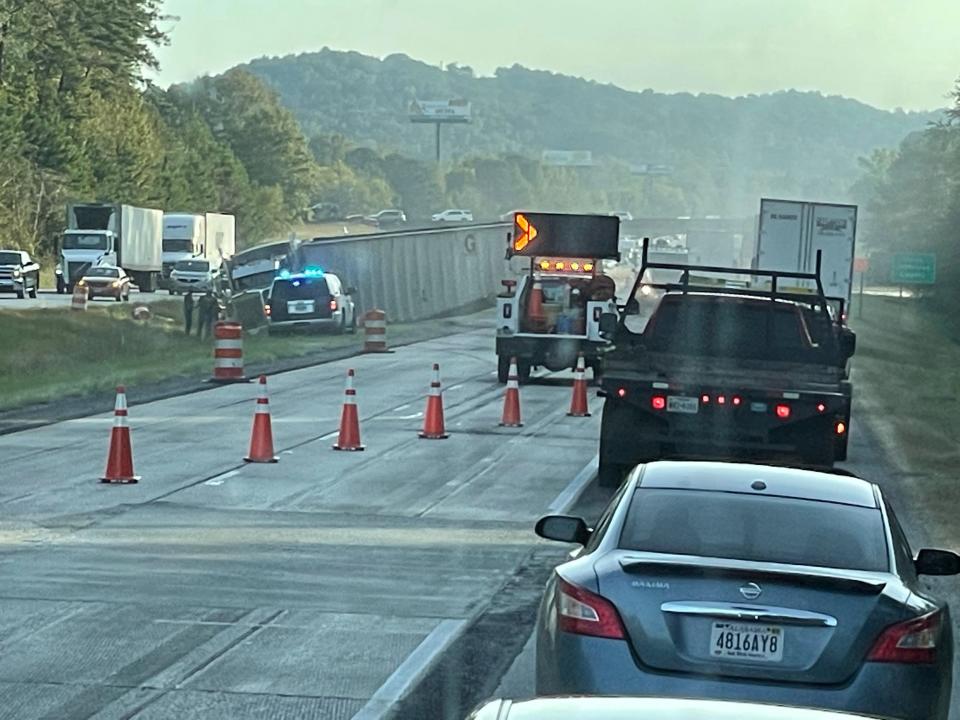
x,y
188,312
207,314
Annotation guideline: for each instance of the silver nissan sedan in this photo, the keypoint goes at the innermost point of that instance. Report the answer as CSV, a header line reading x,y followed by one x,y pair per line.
x,y
747,582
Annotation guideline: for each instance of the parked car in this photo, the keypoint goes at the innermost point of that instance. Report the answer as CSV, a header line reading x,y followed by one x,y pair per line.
x,y
310,300
323,212
453,215
19,273
646,708
195,275
387,218
747,582
106,281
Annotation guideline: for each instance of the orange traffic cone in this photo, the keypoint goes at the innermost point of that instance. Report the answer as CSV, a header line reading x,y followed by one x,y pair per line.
x,y
535,314
433,419
349,437
578,405
511,401
261,438
120,456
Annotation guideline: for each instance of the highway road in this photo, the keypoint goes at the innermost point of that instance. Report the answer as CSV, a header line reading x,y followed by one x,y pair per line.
x,y
50,299
329,585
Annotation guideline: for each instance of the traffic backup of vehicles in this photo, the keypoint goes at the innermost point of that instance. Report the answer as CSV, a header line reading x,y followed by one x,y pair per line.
x,y
19,273
552,313
313,299
747,582
725,372
208,238
111,234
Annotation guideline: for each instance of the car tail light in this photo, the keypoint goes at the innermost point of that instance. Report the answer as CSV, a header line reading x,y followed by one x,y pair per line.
x,y
783,411
658,402
333,304
582,612
913,641
621,392
266,309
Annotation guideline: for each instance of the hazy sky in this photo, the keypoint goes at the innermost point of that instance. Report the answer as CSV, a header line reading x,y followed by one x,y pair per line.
x,y
890,53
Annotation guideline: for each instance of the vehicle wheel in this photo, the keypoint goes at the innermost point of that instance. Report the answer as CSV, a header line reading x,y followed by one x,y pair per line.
x,y
61,286
119,297
21,294
503,369
523,372
34,289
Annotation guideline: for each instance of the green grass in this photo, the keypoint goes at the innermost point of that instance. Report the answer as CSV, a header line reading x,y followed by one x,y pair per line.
x,y
49,353
907,380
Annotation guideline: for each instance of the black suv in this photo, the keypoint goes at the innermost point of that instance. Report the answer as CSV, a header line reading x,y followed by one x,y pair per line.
x,y
18,273
312,299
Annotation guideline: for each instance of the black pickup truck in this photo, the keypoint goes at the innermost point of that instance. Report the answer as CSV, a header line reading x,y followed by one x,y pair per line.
x,y
721,372
18,273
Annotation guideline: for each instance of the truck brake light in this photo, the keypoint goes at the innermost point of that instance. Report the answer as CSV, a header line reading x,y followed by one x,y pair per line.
x,y
333,304
658,402
621,392
783,411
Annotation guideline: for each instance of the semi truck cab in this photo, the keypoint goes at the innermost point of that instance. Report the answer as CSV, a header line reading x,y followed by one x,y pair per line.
x,y
79,251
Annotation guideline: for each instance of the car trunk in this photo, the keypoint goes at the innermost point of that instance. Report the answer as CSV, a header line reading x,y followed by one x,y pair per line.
x,y
744,619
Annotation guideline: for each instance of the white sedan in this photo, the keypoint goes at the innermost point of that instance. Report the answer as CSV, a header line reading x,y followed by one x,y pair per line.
x,y
453,215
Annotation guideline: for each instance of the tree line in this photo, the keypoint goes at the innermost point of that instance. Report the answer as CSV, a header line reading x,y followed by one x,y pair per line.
x,y
909,198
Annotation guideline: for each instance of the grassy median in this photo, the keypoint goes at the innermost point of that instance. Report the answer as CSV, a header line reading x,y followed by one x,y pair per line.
x,y
51,353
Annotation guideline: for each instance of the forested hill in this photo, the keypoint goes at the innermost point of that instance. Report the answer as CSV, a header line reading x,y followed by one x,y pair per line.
x,y
726,150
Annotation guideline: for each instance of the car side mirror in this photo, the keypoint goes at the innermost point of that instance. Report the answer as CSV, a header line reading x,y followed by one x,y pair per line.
x,y
937,562
608,324
563,528
848,342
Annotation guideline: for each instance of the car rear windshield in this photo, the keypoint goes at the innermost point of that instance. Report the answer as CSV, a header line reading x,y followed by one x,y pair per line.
x,y
299,289
193,265
756,528
731,327
9,258
103,272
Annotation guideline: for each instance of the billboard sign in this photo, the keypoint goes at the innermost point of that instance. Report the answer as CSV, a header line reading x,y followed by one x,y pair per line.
x,y
564,236
440,111
567,158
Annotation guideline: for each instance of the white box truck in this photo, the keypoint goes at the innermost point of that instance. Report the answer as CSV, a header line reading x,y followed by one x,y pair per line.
x,y
111,234
206,237
790,232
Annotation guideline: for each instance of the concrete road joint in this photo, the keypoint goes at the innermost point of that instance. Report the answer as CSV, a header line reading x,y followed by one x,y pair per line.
x,y
403,679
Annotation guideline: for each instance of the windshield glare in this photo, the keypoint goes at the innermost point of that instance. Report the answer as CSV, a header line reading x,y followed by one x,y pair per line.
x,y
73,241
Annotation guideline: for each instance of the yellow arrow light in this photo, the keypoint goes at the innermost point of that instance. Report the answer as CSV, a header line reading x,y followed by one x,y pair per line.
x,y
526,235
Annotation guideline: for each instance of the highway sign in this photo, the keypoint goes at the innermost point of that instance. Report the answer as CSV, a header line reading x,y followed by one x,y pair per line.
x,y
913,269
440,111
564,236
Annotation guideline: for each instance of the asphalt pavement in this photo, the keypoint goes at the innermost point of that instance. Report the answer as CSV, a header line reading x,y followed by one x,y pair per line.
x,y
400,581
323,586
51,299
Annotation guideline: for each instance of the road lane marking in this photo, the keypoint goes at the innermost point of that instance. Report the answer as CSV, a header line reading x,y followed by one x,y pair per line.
x,y
568,498
218,479
410,670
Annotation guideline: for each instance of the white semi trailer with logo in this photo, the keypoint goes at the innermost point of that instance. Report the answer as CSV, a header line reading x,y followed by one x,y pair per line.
x,y
791,232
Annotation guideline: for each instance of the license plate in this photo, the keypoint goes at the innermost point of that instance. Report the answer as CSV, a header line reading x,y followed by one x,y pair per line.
x,y
683,404
744,641
300,307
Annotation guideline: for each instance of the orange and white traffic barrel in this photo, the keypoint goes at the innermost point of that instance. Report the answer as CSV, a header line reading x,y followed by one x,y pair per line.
x,y
375,332
228,352
79,299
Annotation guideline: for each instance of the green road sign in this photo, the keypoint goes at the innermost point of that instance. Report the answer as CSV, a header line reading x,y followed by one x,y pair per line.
x,y
913,269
